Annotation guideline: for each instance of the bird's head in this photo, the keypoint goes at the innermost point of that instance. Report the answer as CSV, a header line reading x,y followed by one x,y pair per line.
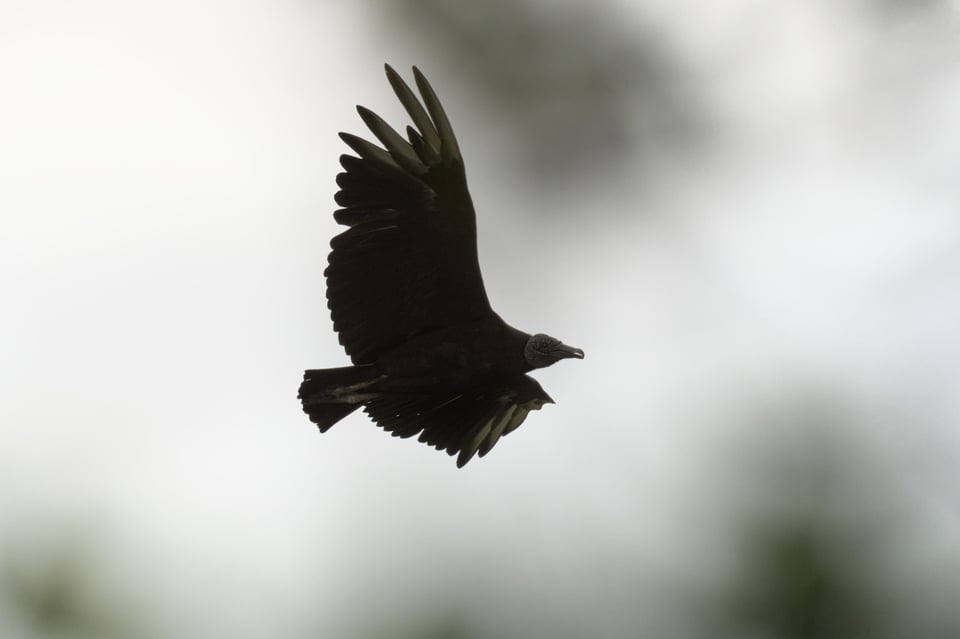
x,y
542,350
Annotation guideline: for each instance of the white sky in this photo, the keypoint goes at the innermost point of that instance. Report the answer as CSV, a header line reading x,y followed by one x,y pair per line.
x,y
166,183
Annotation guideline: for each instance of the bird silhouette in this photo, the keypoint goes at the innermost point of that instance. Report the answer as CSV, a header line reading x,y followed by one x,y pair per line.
x,y
407,299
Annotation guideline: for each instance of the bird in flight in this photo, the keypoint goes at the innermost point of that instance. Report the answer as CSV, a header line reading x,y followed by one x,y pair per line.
x,y
404,289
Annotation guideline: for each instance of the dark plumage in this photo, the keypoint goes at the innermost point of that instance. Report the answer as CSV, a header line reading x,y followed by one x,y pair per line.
x,y
407,299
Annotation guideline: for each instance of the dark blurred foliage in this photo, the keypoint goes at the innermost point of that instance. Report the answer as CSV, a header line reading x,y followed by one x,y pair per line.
x,y
899,9
582,89
800,577
795,585
441,626
54,590
827,545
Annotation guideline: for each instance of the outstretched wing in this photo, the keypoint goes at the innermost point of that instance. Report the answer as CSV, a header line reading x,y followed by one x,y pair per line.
x,y
408,263
462,424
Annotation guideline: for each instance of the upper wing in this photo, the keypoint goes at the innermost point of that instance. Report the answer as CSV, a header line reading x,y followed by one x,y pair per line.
x,y
408,262
467,423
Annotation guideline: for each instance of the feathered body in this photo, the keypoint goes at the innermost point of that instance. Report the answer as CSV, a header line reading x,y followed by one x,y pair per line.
x,y
407,298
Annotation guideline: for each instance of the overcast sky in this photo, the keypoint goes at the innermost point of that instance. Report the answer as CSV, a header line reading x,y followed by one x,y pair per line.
x,y
166,183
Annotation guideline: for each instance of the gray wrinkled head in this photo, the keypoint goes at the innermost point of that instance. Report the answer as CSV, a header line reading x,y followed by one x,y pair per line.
x,y
542,350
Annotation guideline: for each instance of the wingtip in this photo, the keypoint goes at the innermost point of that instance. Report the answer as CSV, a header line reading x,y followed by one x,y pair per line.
x,y
351,140
418,74
448,147
369,117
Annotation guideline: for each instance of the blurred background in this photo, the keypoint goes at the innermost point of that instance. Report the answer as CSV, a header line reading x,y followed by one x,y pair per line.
x,y
744,211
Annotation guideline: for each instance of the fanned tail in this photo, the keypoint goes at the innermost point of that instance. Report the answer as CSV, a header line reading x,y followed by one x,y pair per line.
x,y
330,394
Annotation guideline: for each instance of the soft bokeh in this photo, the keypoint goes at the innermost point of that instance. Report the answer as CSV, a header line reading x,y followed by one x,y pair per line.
x,y
745,212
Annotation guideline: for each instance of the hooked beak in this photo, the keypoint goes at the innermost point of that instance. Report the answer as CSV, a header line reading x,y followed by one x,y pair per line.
x,y
564,351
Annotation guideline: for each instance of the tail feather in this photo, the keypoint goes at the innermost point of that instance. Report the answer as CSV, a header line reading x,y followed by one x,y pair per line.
x,y
328,395
326,415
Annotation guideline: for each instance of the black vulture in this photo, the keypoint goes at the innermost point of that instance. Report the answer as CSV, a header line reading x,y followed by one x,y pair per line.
x,y
407,300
